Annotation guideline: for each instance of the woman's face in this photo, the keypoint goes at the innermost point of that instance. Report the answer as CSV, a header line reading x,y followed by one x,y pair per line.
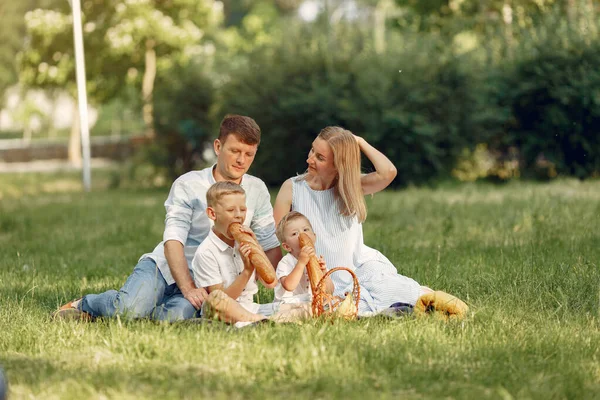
x,y
320,160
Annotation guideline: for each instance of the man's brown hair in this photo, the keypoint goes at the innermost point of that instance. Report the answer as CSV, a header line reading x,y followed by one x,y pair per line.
x,y
289,217
220,189
245,128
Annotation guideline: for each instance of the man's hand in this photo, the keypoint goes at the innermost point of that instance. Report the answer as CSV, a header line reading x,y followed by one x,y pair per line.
x,y
305,254
247,229
196,296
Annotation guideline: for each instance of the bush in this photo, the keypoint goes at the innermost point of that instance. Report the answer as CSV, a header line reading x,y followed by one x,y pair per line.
x,y
418,117
182,105
535,112
555,102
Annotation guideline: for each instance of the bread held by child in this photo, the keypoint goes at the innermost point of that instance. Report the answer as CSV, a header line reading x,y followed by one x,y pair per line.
x,y
313,268
257,257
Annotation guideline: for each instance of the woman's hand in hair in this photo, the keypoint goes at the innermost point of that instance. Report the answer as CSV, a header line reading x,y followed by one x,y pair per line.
x,y
384,173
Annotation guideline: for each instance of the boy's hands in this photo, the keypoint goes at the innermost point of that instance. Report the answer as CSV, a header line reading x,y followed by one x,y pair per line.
x,y
245,251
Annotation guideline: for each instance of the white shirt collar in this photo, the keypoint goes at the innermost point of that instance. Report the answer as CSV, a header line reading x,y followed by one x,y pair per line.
x,y
221,245
212,180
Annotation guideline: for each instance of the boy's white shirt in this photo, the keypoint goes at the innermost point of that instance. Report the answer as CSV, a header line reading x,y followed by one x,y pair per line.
x,y
302,293
216,262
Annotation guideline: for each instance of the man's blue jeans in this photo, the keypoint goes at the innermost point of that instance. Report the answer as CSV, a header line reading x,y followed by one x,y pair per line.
x,y
144,294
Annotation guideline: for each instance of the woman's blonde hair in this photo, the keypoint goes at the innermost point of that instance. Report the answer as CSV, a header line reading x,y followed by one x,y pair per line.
x,y
346,159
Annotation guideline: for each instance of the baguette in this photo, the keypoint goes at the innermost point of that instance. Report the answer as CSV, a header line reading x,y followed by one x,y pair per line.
x,y
257,257
313,268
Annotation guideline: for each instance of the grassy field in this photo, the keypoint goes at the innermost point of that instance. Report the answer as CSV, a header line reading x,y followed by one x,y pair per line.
x,y
524,256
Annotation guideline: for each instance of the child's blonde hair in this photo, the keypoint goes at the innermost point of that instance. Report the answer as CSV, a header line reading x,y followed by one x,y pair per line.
x,y
289,217
346,159
220,189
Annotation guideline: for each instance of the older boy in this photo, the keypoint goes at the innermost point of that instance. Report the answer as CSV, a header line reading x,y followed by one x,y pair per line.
x,y
218,264
161,285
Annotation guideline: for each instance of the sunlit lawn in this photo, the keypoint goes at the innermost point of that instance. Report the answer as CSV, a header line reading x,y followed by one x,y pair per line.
x,y
524,256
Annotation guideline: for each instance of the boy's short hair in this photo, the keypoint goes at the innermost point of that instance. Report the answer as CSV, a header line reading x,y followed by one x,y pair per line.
x,y
220,189
289,217
245,128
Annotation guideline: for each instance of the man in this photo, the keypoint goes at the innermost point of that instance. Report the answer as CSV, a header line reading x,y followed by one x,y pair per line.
x,y
161,285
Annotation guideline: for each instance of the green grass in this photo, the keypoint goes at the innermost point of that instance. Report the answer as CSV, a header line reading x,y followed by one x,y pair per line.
x,y
524,256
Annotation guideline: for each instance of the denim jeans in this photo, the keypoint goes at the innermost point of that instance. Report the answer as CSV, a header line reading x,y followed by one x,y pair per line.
x,y
144,294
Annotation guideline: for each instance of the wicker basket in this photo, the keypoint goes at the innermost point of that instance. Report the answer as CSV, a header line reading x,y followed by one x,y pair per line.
x,y
324,303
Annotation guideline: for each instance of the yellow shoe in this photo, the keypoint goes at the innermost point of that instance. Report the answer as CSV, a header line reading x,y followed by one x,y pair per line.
x,y
447,305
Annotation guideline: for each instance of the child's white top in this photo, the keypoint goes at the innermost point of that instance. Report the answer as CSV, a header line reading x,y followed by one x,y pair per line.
x,y
302,293
339,237
216,262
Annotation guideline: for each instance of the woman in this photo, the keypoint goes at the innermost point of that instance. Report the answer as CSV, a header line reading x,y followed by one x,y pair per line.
x,y
331,195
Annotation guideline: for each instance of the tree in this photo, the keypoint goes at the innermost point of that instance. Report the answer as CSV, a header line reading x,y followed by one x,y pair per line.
x,y
157,32
11,40
121,38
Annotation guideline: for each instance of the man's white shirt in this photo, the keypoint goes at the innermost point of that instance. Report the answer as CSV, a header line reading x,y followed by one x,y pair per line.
x,y
186,220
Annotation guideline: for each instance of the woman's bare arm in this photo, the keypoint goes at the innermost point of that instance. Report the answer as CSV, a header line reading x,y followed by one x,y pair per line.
x,y
384,173
283,202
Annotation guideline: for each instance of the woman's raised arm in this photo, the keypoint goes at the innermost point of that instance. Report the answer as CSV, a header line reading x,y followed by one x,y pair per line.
x,y
283,202
384,173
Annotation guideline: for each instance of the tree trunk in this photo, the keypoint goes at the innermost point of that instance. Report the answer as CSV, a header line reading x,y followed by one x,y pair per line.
x,y
51,126
380,16
27,133
572,11
75,139
148,88
507,17
592,16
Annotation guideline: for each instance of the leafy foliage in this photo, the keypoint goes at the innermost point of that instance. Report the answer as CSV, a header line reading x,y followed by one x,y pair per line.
x,y
182,106
555,101
418,115
11,40
117,35
428,84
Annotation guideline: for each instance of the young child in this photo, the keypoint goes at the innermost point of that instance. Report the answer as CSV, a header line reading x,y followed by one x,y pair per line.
x,y
293,284
218,264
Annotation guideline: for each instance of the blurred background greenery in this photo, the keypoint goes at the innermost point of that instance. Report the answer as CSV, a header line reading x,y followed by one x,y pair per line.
x,y
460,89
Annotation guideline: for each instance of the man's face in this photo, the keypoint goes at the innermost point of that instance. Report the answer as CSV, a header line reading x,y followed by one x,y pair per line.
x,y
234,158
291,235
230,208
